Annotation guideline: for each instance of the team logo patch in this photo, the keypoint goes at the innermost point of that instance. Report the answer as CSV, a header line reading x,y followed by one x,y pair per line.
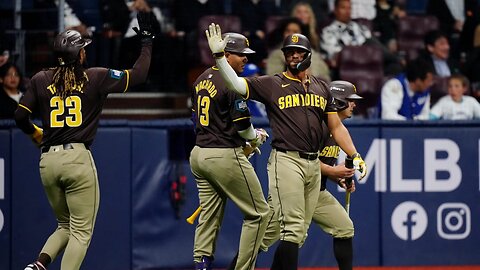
x,y
241,105
116,74
294,38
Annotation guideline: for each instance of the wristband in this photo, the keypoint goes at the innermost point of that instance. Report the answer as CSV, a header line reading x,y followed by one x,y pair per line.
x,y
219,54
356,155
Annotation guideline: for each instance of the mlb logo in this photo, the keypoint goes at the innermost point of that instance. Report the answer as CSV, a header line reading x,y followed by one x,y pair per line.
x,y
241,105
116,74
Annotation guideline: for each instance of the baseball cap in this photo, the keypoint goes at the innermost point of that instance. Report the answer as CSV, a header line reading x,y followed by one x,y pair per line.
x,y
237,43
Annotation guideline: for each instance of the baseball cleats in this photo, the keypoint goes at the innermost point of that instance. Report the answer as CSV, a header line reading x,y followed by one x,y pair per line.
x,y
35,266
205,264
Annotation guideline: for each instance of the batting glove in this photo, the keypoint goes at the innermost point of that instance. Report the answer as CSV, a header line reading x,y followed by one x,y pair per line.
x,y
37,135
359,165
249,150
215,41
145,22
261,136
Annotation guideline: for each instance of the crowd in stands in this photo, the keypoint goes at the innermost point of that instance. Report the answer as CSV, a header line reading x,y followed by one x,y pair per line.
x,y
421,66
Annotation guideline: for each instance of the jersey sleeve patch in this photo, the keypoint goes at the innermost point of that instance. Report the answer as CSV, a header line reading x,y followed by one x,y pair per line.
x,y
116,74
241,105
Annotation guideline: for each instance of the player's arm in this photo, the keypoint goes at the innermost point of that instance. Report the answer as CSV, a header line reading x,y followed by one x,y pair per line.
x,y
336,173
23,121
343,139
254,136
217,46
340,134
139,70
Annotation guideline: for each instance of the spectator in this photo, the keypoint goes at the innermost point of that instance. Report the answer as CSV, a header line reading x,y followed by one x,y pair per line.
x,y
343,31
452,15
321,8
252,14
304,12
470,35
130,46
72,22
456,105
11,90
116,17
276,59
4,57
407,96
187,13
437,54
385,23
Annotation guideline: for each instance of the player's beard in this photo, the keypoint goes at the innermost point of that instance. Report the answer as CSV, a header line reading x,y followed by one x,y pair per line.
x,y
293,70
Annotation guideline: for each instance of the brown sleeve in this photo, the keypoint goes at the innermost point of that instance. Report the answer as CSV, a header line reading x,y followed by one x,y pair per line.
x,y
139,71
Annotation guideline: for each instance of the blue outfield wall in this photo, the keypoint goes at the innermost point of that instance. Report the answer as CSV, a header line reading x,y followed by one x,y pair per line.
x,y
419,204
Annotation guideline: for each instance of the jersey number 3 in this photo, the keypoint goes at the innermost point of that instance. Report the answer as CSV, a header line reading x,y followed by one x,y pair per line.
x,y
73,114
203,106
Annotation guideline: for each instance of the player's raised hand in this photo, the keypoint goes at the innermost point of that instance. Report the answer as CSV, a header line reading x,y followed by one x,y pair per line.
x,y
215,41
146,21
359,165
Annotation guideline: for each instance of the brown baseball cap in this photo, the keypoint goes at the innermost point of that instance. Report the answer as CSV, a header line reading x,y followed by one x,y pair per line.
x,y
237,43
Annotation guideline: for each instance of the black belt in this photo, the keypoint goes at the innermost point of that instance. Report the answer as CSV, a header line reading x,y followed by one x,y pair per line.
x,y
66,146
304,155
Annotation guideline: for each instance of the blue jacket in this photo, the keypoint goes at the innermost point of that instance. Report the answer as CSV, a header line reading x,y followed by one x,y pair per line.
x,y
411,106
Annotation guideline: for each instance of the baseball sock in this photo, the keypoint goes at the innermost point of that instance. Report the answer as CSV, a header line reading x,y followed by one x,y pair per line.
x,y
343,250
44,259
286,256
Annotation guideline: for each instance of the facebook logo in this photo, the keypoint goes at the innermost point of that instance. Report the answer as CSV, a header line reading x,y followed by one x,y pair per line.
x,y
409,221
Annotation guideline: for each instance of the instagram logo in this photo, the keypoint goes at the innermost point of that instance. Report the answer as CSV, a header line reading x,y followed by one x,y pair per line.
x,y
453,221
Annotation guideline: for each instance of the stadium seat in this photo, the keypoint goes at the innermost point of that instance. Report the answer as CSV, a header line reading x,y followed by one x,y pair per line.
x,y
228,23
411,31
272,22
363,66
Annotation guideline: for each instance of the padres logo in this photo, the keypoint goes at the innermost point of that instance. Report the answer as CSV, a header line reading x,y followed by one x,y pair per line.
x,y
294,38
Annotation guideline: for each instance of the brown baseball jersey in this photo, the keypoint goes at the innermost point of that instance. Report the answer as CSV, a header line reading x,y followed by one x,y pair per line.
x,y
329,152
222,171
295,114
217,111
75,118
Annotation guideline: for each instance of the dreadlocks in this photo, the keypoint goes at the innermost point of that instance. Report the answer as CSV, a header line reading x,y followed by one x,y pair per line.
x,y
69,78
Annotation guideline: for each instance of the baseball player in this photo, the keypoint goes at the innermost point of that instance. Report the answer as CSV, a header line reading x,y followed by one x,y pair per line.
x,y
329,214
296,106
219,165
69,100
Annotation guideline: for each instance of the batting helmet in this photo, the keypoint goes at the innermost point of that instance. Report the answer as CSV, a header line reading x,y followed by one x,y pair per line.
x,y
67,45
342,92
297,41
237,43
